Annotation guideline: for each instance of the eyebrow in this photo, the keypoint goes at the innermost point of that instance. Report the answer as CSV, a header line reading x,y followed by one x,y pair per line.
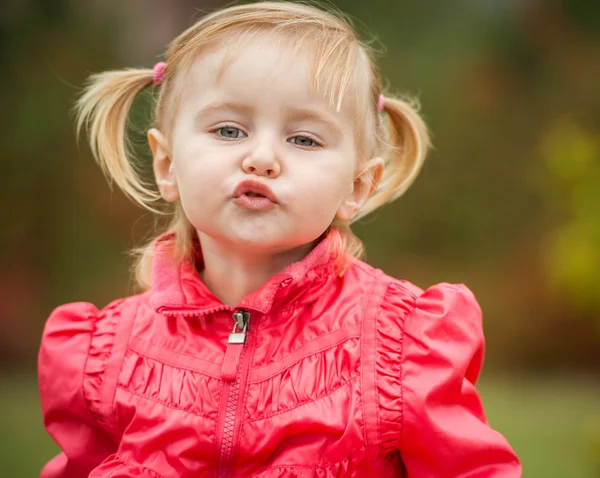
x,y
310,115
295,113
220,106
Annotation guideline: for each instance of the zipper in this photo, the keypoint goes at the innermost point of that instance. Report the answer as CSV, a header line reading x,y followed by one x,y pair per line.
x,y
231,372
189,312
235,345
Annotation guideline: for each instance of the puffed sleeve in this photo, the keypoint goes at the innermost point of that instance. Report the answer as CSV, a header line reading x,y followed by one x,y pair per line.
x,y
62,362
444,429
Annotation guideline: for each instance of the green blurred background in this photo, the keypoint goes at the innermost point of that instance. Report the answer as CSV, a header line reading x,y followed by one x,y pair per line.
x,y
508,203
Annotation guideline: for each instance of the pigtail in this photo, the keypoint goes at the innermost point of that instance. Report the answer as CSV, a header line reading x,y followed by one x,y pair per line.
x,y
182,232
102,108
405,145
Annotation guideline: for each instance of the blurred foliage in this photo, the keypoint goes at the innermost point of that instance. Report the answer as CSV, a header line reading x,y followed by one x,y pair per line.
x,y
506,203
573,249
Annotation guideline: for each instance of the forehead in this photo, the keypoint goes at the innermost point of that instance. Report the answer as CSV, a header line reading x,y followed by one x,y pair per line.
x,y
281,64
257,71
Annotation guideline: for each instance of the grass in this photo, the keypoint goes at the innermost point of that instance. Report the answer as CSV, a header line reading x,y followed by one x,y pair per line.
x,y
553,424
549,422
25,447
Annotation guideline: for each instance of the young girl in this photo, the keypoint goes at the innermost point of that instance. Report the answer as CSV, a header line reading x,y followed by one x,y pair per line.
x,y
262,346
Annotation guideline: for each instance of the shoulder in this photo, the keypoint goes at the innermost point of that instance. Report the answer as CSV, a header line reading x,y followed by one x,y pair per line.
x,y
69,333
76,322
376,282
405,303
78,329
421,331
77,342
361,271
444,320
440,304
445,312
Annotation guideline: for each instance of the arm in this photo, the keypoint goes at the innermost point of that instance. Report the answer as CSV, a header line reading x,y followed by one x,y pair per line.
x,y
444,429
67,417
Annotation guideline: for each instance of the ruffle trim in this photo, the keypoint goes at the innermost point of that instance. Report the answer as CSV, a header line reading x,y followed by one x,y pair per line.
x,y
101,344
398,302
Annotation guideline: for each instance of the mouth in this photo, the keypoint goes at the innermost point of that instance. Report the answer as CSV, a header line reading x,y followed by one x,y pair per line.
x,y
253,194
254,189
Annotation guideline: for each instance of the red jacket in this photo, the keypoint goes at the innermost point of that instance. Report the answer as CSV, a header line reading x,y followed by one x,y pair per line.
x,y
338,376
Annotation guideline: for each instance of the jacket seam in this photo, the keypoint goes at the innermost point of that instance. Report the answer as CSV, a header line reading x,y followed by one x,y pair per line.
x,y
101,417
311,354
141,353
165,404
402,350
305,402
120,370
330,332
371,372
376,337
97,418
162,347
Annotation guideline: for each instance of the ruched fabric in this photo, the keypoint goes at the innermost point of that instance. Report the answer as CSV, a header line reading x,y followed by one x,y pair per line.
x,y
346,468
390,323
174,387
67,414
330,369
339,376
104,327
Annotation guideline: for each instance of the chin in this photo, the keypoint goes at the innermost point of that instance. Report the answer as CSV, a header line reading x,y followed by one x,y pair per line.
x,y
262,235
265,241
261,241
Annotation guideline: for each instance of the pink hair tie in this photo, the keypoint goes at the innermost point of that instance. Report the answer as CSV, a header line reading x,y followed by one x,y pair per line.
x,y
159,73
381,102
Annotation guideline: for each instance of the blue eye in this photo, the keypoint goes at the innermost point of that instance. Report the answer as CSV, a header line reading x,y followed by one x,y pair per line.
x,y
230,132
304,141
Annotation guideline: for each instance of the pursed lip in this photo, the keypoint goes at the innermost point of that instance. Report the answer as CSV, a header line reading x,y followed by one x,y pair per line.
x,y
254,187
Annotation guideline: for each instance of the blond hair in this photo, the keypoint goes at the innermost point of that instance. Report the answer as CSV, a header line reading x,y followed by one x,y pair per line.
x,y
344,70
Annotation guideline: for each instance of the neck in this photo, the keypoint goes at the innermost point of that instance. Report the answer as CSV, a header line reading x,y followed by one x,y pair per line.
x,y
231,274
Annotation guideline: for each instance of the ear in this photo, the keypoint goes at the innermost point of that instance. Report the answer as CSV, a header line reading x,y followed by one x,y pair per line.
x,y
363,188
163,166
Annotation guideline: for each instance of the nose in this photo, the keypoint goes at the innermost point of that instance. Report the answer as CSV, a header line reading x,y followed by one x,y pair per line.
x,y
262,161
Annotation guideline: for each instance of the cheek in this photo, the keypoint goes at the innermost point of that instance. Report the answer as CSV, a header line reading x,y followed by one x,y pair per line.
x,y
326,189
197,171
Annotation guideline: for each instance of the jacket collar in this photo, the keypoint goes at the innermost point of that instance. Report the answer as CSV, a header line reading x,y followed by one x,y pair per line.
x,y
178,290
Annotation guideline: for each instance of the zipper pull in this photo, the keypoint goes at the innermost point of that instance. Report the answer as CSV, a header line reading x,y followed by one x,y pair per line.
x,y
241,322
235,344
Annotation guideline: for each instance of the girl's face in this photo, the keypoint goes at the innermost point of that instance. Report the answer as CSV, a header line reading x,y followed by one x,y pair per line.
x,y
256,160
